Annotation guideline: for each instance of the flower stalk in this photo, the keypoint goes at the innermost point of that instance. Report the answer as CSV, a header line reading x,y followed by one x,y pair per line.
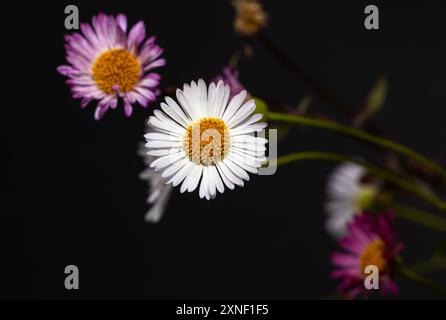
x,y
381,173
420,217
362,135
435,263
421,280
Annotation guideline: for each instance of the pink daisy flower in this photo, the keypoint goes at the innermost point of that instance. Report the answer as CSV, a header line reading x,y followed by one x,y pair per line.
x,y
106,63
230,78
370,241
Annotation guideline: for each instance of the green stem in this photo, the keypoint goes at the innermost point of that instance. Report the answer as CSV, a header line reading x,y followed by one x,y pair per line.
x,y
329,125
421,280
384,174
437,262
421,217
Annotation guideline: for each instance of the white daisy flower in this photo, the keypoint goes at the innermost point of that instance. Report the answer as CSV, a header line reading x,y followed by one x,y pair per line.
x,y
206,138
347,196
159,191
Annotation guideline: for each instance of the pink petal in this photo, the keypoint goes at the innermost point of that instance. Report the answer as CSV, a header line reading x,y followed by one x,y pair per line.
x,y
136,35
99,112
121,20
128,109
64,70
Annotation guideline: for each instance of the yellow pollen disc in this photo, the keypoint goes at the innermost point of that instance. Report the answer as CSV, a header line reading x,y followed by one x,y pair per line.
x,y
116,67
206,141
374,254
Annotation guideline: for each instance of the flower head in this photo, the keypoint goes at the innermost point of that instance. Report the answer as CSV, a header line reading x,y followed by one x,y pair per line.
x,y
250,17
371,241
347,196
206,138
229,76
159,191
106,63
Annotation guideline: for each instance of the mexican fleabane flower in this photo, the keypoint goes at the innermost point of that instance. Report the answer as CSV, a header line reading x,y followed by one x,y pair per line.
x,y
159,191
347,195
371,240
205,138
106,63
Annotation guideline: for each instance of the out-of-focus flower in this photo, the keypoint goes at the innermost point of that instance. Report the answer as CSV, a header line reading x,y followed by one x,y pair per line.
x,y
347,196
106,63
206,138
159,191
371,241
229,76
250,17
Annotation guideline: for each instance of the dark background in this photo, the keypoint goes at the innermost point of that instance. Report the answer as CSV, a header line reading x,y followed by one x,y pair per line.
x,y
263,241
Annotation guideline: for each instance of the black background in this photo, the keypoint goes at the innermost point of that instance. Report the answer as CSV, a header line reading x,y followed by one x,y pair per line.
x,y
263,241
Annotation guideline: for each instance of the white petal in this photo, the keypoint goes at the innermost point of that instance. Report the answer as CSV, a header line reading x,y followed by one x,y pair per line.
x,y
166,108
162,152
252,119
162,117
234,105
212,180
258,156
243,163
250,128
203,96
163,144
204,186
164,161
166,127
161,136
158,208
249,146
191,181
181,174
211,97
249,139
196,175
336,227
192,94
218,98
238,171
154,194
177,109
185,105
174,168
218,182
228,173
226,95
241,114
228,183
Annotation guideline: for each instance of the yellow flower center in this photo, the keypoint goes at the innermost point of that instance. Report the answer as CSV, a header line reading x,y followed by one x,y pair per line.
x,y
374,254
206,141
116,69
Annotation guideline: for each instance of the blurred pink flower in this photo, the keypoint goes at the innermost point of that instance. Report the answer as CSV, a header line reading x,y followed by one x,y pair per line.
x,y
370,241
